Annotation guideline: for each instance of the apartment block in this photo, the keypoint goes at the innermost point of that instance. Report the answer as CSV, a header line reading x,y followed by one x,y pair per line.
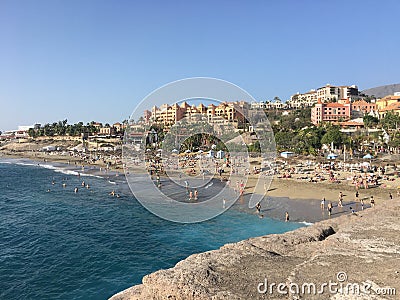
x,y
330,112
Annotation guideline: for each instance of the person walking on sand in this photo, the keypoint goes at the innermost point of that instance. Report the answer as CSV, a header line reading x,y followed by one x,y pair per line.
x,y
286,217
357,195
390,196
362,204
372,201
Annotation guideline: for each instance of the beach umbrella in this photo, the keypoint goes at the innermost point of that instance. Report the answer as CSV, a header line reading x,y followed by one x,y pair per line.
x,y
332,156
368,156
175,151
187,151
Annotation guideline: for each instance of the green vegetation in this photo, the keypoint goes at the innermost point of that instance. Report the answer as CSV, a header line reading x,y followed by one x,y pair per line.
x,y
61,128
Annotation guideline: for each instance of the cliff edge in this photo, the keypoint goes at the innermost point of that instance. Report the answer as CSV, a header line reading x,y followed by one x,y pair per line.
x,y
355,256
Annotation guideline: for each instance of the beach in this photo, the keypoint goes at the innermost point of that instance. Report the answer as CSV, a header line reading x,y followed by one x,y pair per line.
x,y
296,193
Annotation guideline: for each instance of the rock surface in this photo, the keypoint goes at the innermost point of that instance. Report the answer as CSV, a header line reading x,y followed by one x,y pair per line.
x,y
362,250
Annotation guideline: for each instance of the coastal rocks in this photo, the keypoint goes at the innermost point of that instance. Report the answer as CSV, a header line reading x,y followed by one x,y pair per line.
x,y
361,251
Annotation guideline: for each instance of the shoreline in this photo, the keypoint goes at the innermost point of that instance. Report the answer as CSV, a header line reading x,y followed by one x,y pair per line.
x,y
302,209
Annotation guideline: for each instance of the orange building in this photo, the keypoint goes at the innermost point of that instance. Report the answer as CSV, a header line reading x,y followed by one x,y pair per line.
x,y
393,108
363,106
227,112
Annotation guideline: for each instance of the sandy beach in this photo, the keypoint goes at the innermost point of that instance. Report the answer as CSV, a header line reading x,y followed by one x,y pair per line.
x,y
296,187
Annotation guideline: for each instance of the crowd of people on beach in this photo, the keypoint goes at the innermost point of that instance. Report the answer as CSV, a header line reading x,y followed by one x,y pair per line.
x,y
362,176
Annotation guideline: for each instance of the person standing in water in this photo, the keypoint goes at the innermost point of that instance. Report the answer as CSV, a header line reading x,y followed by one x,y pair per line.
x,y
286,217
330,208
323,204
258,207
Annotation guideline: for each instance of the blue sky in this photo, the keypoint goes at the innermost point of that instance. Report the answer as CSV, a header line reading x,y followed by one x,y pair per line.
x,y
86,60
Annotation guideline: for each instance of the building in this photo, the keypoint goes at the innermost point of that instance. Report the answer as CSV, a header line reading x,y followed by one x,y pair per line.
x,y
277,104
386,101
222,114
362,108
393,108
107,131
259,105
330,93
118,127
303,100
330,112
97,125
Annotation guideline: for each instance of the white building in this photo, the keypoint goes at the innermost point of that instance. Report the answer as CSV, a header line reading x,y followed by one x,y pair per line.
x,y
303,100
330,93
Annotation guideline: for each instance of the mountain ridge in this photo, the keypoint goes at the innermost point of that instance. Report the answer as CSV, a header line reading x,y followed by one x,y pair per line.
x,y
383,90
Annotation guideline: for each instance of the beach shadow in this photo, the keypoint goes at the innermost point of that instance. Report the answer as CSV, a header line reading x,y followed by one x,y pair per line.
x,y
273,189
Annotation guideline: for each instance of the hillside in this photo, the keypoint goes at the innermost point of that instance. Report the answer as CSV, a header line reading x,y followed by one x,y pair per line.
x,y
382,91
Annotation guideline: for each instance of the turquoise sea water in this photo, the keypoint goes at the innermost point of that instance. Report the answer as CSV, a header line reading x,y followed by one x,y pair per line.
x,y
89,245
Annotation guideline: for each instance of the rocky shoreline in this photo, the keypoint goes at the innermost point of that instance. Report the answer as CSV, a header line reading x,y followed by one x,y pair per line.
x,y
362,250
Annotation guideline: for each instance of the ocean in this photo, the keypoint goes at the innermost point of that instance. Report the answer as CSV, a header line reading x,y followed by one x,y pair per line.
x,y
59,244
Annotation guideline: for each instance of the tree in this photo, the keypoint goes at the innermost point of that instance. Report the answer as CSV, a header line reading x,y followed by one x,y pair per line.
x,y
390,121
285,140
31,132
333,135
370,121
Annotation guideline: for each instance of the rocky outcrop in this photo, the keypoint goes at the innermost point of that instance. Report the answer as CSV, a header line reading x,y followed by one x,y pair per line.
x,y
360,251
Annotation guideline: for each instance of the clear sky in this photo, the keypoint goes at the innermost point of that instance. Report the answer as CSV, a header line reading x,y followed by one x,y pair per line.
x,y
85,60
